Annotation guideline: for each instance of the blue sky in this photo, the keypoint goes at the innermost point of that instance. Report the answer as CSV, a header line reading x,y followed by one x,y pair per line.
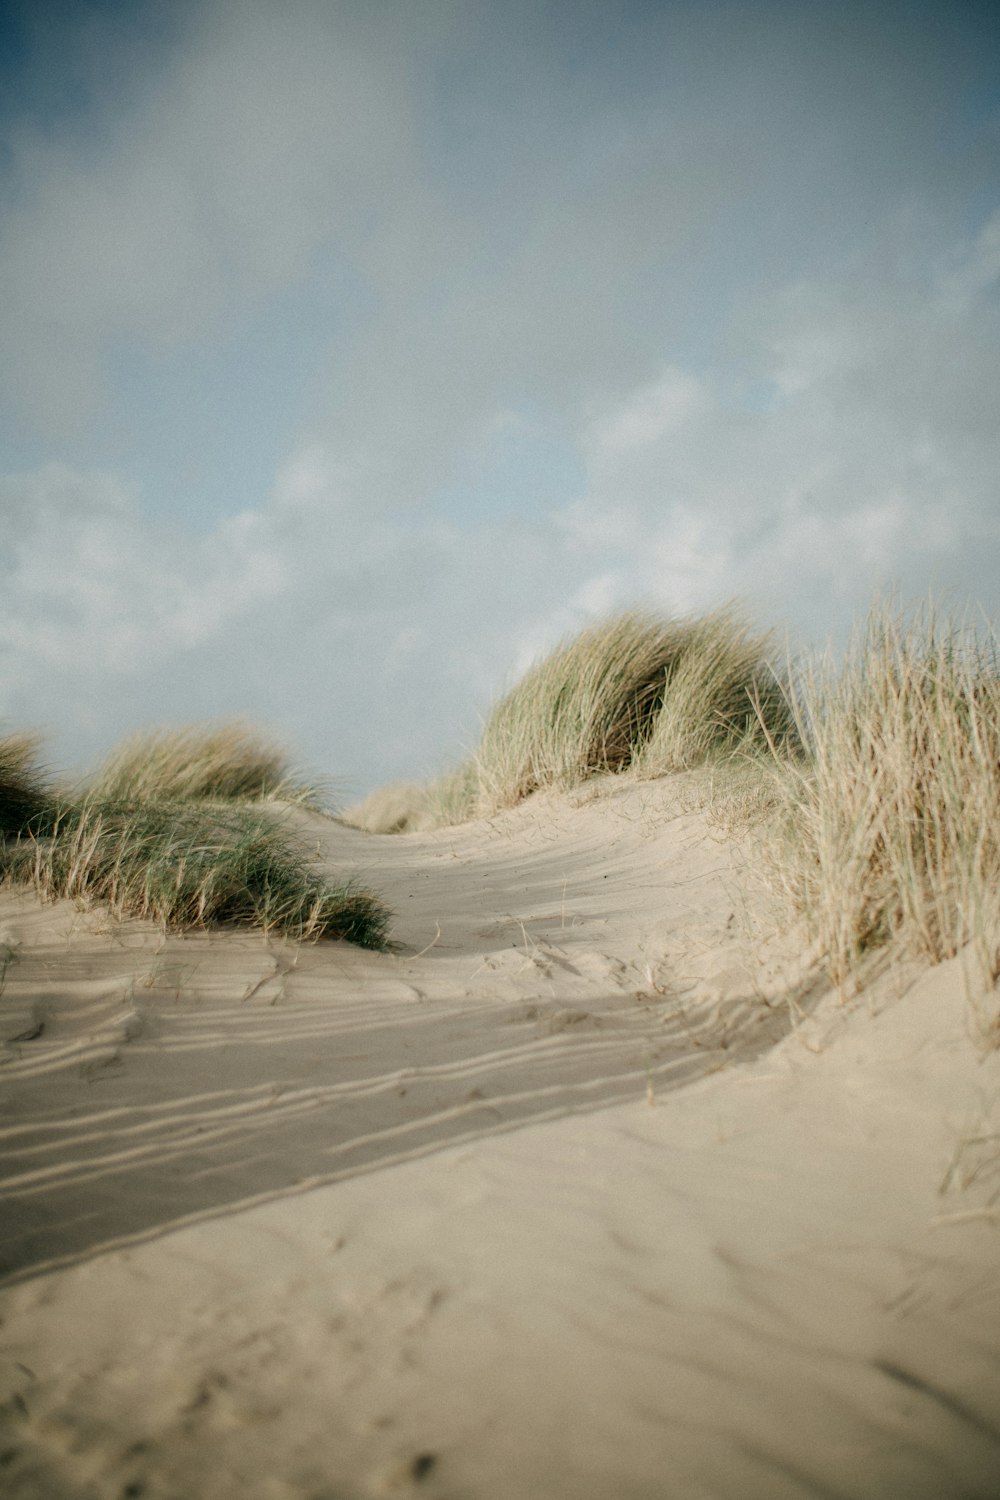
x,y
357,352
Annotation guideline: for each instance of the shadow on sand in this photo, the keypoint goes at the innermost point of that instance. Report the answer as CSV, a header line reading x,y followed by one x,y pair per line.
x,y
196,1104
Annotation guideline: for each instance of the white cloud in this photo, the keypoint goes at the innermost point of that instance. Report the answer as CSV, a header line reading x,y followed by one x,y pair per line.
x,y
670,402
878,465
373,636
92,591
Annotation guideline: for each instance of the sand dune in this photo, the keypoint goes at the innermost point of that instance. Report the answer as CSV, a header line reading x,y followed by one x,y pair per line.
x,y
589,1188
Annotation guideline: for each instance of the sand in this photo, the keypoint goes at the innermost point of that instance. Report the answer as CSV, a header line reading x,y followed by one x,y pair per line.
x,y
592,1188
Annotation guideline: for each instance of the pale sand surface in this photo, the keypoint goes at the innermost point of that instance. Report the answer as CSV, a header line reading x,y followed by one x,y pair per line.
x,y
585,1191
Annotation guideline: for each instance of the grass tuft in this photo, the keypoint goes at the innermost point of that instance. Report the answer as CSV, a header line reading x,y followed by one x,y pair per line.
x,y
400,807
26,798
586,708
222,763
167,830
415,807
892,820
638,690
188,865
722,698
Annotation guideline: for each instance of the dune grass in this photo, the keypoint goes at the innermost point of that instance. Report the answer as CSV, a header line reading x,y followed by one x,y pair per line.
x,y
637,691
171,828
641,691
398,807
882,781
218,763
874,783
26,796
417,806
584,709
186,864
723,699
891,826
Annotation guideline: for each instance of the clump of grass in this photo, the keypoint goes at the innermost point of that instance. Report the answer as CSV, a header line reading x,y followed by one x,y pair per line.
x,y
158,836
26,798
892,826
639,690
221,763
721,698
453,797
661,695
399,807
584,709
415,807
189,865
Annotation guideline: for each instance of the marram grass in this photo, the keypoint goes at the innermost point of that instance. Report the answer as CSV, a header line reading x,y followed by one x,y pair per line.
x,y
190,865
26,797
171,828
417,806
891,828
637,691
722,699
584,709
217,763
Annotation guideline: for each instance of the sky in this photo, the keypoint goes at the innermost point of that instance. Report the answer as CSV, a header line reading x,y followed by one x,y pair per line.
x,y
355,352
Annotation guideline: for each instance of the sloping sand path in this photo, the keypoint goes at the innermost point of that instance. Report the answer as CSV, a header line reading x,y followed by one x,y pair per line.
x,y
550,1201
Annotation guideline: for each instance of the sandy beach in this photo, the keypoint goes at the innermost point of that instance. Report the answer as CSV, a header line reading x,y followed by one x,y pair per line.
x,y
592,1187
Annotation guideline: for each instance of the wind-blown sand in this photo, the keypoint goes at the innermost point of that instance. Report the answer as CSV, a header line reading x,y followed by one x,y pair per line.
x,y
588,1190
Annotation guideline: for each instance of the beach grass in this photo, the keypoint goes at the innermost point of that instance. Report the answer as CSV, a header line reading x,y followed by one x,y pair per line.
x,y
189,864
172,828
724,699
641,691
417,806
584,709
878,780
219,763
873,780
890,826
27,799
